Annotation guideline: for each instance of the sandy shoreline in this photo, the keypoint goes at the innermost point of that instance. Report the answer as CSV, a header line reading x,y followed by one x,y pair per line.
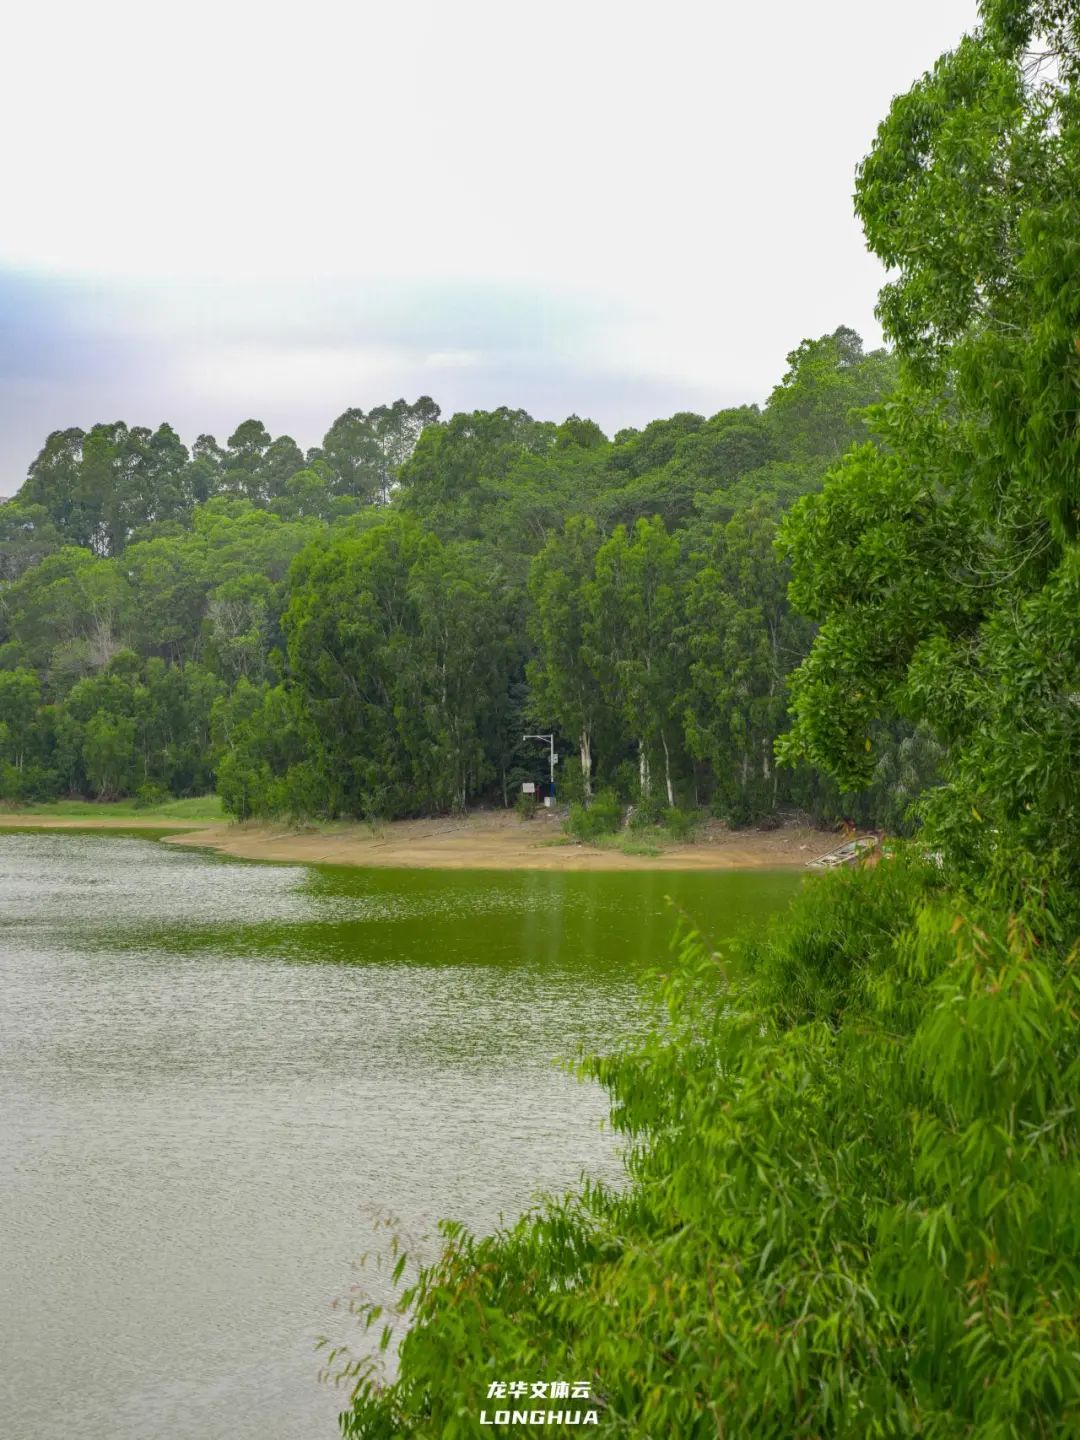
x,y
482,841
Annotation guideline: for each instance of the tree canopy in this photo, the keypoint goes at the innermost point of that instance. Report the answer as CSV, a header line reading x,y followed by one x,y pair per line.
x,y
555,579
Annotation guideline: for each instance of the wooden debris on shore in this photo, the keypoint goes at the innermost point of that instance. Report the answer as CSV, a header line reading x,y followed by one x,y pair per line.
x,y
853,853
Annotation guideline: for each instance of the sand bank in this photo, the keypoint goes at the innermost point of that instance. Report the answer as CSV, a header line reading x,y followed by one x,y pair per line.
x,y
482,841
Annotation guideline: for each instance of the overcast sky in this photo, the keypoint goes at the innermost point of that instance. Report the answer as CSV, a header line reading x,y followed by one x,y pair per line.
x,y
219,210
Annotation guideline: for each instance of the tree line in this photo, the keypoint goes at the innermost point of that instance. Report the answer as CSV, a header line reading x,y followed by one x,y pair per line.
x,y
369,628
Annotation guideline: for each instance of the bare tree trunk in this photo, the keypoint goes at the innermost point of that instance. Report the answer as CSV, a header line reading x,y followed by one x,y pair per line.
x,y
586,764
643,770
667,772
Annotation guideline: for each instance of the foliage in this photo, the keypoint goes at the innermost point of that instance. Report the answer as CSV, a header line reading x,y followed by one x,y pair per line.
x,y
943,565
394,645
196,809
561,677
486,576
492,575
602,816
525,806
849,1214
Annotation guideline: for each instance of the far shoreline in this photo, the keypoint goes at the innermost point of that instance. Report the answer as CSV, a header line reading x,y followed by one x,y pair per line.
x,y
484,840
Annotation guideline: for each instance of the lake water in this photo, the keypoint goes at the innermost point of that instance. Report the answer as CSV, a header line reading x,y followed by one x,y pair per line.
x,y
218,1078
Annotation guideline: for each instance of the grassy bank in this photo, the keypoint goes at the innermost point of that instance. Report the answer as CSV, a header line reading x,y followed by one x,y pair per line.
x,y
197,809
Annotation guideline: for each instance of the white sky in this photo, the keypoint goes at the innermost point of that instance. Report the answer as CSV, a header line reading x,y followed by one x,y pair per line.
x,y
212,210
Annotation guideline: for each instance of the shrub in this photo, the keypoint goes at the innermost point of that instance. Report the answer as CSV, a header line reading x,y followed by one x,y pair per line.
x,y
853,1158
680,824
602,817
31,783
649,811
150,794
525,806
652,815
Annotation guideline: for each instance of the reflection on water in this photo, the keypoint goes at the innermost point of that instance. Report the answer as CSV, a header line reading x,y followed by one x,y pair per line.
x,y
214,1074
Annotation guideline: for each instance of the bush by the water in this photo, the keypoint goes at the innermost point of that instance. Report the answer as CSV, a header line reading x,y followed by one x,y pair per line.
x,y
602,817
854,1161
677,824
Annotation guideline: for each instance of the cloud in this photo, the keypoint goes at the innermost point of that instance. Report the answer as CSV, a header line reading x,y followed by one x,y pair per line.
x,y
600,208
453,360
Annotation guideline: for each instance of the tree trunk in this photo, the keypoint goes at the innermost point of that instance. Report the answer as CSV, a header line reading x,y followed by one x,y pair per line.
x,y
643,770
586,764
667,772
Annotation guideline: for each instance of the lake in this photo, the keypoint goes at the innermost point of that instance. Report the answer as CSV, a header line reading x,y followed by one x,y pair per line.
x,y
218,1078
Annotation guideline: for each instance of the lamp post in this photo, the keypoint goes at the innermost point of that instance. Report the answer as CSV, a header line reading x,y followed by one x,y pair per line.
x,y
553,759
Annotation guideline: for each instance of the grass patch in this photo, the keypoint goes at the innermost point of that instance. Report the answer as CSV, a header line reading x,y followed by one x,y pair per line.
x,y
626,842
194,808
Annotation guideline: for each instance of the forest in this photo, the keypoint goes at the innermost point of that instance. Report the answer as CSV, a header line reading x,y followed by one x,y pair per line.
x,y
368,629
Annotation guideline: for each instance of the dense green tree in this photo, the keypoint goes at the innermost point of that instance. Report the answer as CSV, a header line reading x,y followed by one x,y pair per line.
x,y
27,535
943,565
364,452
742,640
443,480
522,509
635,613
202,475
396,645
257,467
245,449
815,410
20,700
263,766
307,493
69,614
109,754
562,679
185,560
168,580
98,486
54,483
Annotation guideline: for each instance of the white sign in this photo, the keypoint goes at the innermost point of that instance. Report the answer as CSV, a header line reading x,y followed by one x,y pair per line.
x,y
528,788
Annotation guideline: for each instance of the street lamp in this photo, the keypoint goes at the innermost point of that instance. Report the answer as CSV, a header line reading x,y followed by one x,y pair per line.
x,y
553,759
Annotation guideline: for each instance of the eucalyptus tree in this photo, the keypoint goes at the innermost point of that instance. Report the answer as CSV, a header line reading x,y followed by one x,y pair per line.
x,y
98,486
396,646
635,605
564,687
742,639
444,479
